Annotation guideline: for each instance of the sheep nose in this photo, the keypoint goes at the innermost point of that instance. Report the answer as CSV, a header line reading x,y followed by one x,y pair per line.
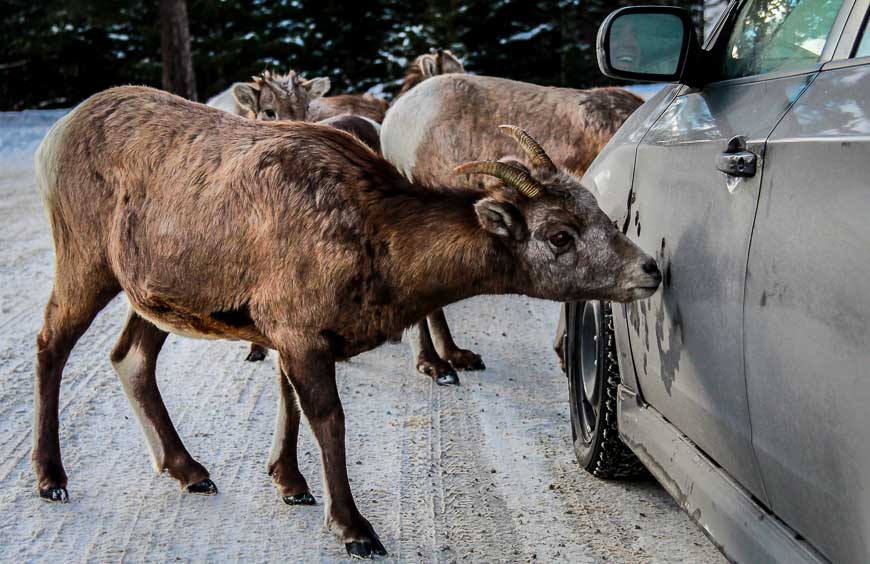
x,y
650,267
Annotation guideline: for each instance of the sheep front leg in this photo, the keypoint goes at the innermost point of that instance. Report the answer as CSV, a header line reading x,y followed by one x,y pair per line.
x,y
310,366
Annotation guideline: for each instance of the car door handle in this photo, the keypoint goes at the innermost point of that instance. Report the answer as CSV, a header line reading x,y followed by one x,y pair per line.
x,y
736,160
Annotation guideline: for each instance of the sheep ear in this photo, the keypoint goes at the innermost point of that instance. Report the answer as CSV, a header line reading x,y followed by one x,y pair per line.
x,y
247,96
449,63
428,65
500,218
317,87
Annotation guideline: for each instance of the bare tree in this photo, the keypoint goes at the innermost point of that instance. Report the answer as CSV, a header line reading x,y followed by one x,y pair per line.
x,y
178,76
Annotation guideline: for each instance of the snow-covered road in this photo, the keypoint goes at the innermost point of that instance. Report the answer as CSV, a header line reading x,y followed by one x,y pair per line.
x,y
479,473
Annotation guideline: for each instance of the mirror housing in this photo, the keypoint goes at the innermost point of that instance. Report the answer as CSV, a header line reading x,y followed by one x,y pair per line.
x,y
649,44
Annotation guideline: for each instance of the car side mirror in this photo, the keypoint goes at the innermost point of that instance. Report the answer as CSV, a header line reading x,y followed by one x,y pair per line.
x,y
649,44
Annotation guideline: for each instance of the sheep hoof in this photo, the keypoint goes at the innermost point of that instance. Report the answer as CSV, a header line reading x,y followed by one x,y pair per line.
x,y
451,379
257,354
438,370
365,549
203,487
54,495
304,498
462,359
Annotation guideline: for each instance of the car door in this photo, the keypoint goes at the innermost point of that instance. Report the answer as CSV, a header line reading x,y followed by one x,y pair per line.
x,y
687,340
807,324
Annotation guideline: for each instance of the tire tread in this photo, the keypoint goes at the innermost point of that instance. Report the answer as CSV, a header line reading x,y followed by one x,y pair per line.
x,y
612,459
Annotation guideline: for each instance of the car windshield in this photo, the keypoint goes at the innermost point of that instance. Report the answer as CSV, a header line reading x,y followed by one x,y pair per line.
x,y
774,35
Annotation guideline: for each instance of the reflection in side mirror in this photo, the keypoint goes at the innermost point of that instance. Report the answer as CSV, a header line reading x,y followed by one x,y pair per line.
x,y
647,43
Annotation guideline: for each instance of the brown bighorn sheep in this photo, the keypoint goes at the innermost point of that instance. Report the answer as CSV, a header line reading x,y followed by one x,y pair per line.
x,y
294,236
272,96
450,119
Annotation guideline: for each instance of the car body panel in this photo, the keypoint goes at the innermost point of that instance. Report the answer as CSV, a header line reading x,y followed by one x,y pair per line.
x,y
686,339
807,321
739,527
610,176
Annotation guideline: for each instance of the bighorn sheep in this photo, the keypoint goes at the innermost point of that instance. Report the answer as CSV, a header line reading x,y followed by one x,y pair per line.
x,y
272,96
450,119
294,236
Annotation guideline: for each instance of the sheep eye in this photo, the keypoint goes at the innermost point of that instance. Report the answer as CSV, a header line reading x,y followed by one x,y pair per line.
x,y
561,239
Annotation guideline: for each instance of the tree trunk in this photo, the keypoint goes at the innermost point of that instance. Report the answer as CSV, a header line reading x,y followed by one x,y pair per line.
x,y
178,76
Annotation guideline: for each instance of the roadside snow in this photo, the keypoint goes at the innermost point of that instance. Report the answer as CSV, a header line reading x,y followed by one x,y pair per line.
x,y
21,132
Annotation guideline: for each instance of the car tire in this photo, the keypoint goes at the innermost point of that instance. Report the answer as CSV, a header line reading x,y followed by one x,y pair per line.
x,y
593,380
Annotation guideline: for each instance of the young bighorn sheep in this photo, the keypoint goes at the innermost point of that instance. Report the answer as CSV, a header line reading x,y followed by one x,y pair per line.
x,y
272,96
450,119
294,236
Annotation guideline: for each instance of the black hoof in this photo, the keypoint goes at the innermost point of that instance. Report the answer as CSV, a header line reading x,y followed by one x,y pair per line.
x,y
54,495
256,355
476,365
204,487
299,499
448,379
365,549
438,370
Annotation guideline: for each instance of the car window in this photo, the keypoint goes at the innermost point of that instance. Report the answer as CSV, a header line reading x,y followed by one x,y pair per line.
x,y
776,35
864,46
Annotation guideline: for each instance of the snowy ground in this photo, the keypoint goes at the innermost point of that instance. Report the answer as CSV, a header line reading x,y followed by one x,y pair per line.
x,y
479,473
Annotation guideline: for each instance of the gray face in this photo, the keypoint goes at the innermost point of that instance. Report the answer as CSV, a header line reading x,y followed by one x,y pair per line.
x,y
568,247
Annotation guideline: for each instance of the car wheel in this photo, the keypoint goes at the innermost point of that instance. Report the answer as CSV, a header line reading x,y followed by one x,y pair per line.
x,y
593,378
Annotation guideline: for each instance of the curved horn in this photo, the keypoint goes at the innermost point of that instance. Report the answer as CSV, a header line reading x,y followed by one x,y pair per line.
x,y
510,175
532,148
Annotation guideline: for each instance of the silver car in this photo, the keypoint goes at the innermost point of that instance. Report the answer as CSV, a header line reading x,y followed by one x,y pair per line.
x,y
743,385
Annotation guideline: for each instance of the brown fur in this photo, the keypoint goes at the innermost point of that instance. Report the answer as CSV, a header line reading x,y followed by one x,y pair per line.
x,y
294,236
427,66
359,127
364,105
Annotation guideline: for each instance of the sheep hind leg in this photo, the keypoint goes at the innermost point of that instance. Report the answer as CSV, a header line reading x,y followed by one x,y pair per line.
x,y
135,360
428,361
460,359
68,314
